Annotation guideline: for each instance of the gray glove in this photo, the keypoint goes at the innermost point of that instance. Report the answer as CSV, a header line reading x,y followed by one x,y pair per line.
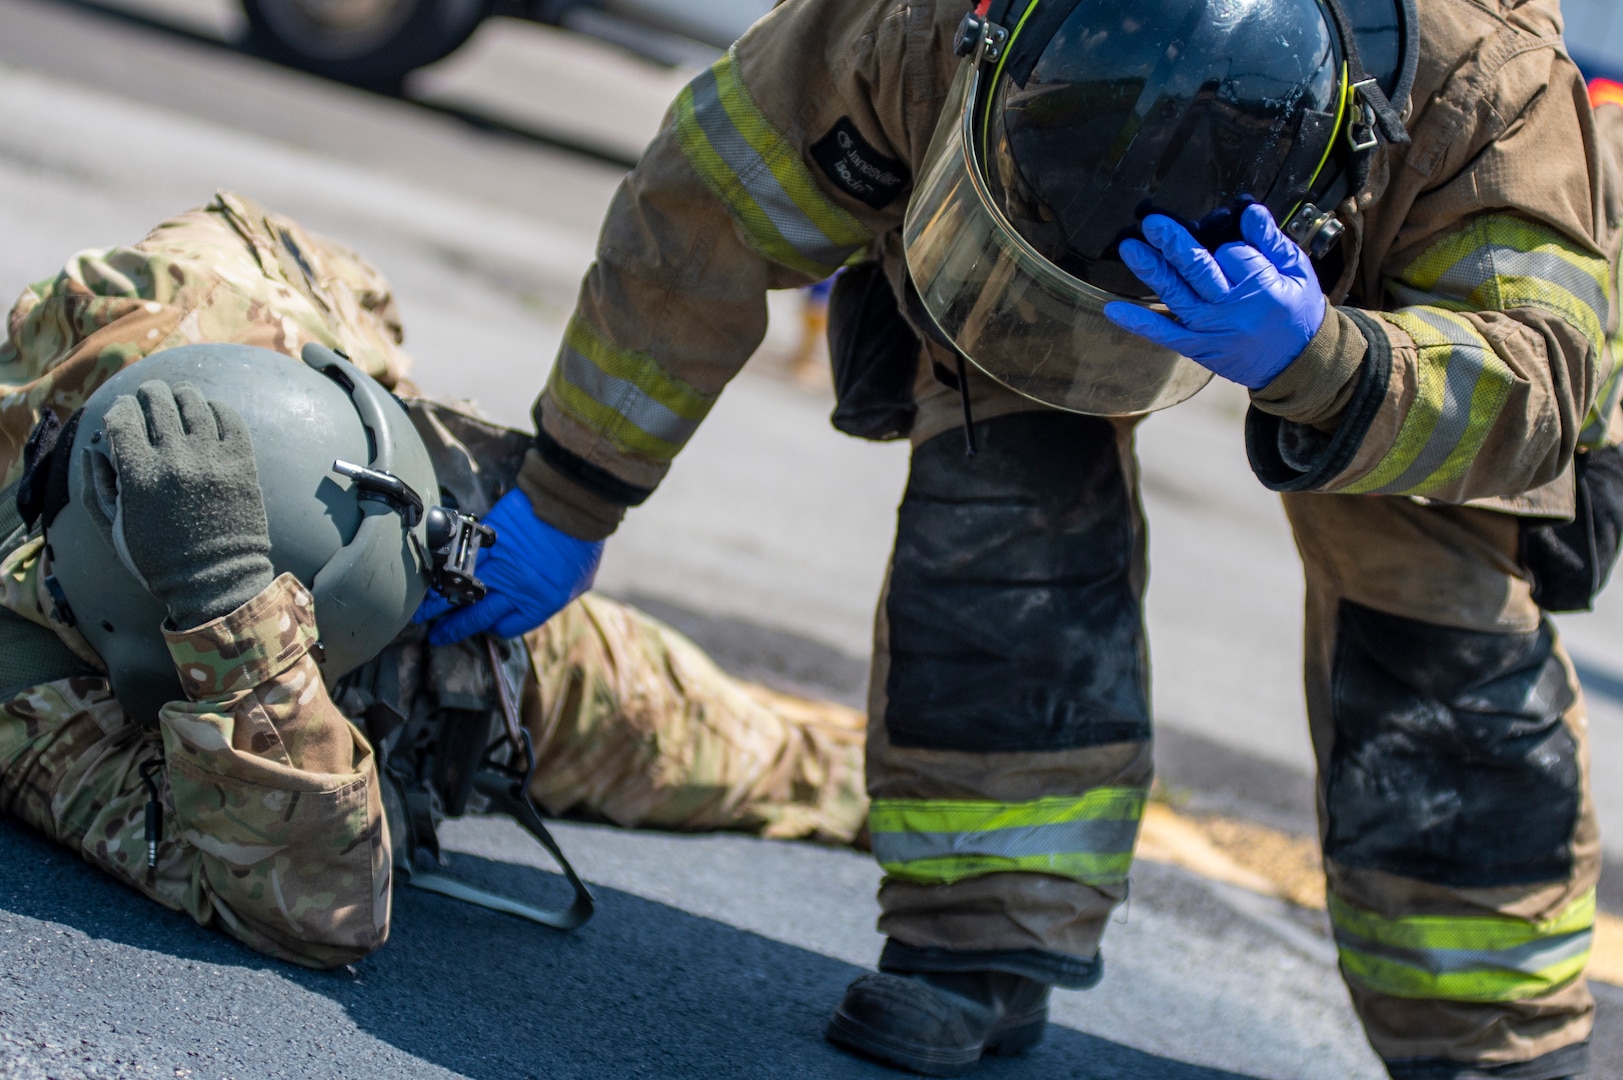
x,y
181,494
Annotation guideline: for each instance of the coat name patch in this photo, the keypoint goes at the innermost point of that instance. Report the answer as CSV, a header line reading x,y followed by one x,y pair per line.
x,y
857,168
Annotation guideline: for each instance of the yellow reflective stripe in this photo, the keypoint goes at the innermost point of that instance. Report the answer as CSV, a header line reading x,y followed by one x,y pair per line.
x,y
1397,979
1484,932
1495,262
1462,388
1473,959
625,394
600,417
950,815
639,369
1598,424
1088,869
1088,838
1499,262
1608,374
761,176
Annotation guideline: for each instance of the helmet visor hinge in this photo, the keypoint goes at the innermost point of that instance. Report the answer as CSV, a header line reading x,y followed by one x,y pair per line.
x,y
980,37
1315,231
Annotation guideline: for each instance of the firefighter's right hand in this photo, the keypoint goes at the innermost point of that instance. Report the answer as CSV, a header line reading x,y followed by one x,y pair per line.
x,y
530,573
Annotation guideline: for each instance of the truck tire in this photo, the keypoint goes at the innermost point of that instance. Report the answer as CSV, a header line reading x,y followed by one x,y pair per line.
x,y
370,43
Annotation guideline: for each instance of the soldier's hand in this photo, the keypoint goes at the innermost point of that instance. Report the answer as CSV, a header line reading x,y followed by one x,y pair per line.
x,y
531,572
176,482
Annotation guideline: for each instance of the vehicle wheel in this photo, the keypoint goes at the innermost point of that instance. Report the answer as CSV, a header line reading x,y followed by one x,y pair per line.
x,y
371,43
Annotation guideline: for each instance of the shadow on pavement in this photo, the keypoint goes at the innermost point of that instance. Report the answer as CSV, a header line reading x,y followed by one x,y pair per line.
x,y
643,990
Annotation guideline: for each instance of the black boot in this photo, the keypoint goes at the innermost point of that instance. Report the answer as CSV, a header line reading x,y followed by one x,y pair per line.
x,y
1568,1063
940,1024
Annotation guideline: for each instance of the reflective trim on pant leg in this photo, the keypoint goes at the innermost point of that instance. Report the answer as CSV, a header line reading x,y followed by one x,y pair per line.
x,y
1088,838
1471,959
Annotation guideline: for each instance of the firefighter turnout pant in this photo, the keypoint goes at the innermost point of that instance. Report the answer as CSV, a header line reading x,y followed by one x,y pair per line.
x,y
1009,745
1460,837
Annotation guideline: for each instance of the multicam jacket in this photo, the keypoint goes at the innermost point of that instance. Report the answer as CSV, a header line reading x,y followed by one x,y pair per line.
x,y
273,823
1471,360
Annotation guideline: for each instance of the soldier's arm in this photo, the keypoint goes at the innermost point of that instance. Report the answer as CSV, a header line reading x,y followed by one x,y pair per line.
x,y
273,823
1479,373
779,164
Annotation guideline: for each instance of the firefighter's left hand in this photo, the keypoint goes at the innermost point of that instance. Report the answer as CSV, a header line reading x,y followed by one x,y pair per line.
x,y
531,573
1246,312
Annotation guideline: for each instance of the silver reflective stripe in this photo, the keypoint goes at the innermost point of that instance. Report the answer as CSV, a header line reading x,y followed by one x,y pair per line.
x,y
1533,958
625,398
757,177
1494,260
1466,362
1086,837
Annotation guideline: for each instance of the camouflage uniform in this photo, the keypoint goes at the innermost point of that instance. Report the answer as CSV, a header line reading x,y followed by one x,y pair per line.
x,y
1465,358
273,818
619,696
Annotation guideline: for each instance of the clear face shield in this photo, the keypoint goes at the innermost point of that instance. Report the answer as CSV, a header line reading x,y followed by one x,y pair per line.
x,y
1015,315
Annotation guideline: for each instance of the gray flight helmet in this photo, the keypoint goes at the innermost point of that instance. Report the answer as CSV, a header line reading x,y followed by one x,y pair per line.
x,y
358,547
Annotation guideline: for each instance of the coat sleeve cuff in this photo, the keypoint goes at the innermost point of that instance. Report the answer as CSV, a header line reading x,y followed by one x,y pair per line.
x,y
247,647
565,502
1289,435
1316,387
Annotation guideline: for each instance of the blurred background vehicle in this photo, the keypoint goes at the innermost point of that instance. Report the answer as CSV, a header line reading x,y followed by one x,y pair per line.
x,y
375,43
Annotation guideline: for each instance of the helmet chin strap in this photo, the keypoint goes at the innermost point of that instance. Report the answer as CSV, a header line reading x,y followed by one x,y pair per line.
x,y
1377,113
1375,120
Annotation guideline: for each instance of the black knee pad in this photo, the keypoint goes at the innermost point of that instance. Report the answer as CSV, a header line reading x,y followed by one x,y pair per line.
x,y
1014,623
1451,764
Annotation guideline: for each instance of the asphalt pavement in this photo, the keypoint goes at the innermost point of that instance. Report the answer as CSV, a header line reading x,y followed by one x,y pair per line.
x,y
709,957
479,194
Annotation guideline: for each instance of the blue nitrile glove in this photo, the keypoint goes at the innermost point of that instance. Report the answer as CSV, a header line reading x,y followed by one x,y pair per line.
x,y
1246,312
532,572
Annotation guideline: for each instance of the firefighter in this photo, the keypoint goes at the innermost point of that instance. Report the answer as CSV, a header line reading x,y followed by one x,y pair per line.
x,y
1390,222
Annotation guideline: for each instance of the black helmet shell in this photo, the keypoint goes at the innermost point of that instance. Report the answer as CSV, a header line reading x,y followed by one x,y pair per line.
x,y
1103,111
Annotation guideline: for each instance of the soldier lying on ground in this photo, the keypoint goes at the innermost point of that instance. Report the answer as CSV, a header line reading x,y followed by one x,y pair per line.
x,y
272,802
